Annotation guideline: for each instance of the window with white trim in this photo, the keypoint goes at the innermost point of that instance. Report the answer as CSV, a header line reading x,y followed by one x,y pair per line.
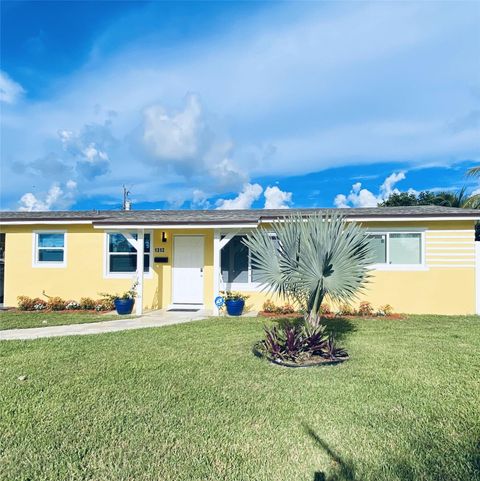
x,y
236,262
122,256
49,249
397,248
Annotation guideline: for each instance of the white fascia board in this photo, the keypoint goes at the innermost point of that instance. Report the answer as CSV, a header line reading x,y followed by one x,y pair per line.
x,y
408,219
174,226
44,222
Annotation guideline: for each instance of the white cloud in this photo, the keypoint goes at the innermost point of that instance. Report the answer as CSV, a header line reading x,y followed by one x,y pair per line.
x,y
244,200
318,67
177,137
56,198
187,142
10,91
359,197
276,198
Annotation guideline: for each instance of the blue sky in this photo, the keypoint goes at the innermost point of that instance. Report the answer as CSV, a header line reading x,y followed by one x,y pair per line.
x,y
236,104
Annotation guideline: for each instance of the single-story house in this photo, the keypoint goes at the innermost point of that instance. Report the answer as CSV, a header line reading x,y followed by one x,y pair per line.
x,y
426,257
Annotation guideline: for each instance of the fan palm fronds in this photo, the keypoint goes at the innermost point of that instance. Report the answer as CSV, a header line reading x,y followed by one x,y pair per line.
x,y
304,259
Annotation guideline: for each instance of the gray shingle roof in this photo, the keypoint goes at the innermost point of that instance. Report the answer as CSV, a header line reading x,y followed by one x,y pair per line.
x,y
166,217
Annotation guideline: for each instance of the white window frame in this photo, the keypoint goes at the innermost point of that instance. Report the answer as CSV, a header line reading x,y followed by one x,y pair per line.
x,y
35,250
400,267
125,275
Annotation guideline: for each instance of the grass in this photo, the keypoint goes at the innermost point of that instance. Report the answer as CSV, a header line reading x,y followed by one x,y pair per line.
x,y
25,319
190,402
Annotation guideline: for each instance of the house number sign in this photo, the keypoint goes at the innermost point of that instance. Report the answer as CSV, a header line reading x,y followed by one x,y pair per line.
x,y
159,249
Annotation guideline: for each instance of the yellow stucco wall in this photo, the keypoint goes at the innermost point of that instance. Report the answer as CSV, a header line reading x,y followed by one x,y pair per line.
x,y
84,274
439,289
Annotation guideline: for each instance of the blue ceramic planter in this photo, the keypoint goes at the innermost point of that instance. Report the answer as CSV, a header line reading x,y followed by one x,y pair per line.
x,y
235,308
124,306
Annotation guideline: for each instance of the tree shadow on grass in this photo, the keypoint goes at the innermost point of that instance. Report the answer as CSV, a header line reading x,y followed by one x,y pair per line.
x,y
340,327
342,470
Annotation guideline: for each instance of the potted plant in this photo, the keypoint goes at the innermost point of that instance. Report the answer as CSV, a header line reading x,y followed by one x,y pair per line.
x,y
123,302
235,302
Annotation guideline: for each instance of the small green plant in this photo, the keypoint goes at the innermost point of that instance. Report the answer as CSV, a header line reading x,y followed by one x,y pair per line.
x,y
111,298
325,309
25,303
287,309
386,310
234,296
56,304
87,304
299,343
104,305
72,305
39,304
345,310
365,309
269,306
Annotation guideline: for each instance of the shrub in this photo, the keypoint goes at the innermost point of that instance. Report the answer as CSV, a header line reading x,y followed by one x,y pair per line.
x,y
87,303
365,308
345,310
269,306
39,304
298,343
287,309
326,309
25,303
56,304
72,305
104,305
386,310
234,296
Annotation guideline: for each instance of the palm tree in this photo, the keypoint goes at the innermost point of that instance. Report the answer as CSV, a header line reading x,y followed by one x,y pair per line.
x,y
308,258
452,199
473,172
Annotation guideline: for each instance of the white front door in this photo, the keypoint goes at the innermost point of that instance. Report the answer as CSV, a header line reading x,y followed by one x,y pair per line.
x,y
187,269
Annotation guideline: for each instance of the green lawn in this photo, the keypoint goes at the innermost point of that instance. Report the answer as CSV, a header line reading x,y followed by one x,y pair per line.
x,y
190,402
24,319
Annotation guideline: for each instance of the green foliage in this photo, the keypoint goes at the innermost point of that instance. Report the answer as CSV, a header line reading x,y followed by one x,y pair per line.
x,y
130,294
311,257
443,198
26,303
234,296
269,306
56,304
346,309
365,309
299,343
385,310
87,303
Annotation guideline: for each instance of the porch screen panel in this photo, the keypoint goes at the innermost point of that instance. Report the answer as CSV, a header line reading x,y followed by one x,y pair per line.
x,y
234,261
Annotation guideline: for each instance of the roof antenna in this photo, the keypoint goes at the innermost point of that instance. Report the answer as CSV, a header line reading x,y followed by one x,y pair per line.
x,y
127,203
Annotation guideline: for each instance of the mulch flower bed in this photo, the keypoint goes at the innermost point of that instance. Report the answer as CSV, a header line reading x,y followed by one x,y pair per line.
x,y
297,315
310,362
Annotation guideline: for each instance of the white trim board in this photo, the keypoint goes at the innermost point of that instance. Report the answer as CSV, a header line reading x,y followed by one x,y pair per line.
x,y
44,222
175,226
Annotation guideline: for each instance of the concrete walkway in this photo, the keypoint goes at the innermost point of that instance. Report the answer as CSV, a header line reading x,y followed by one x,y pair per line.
x,y
152,319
